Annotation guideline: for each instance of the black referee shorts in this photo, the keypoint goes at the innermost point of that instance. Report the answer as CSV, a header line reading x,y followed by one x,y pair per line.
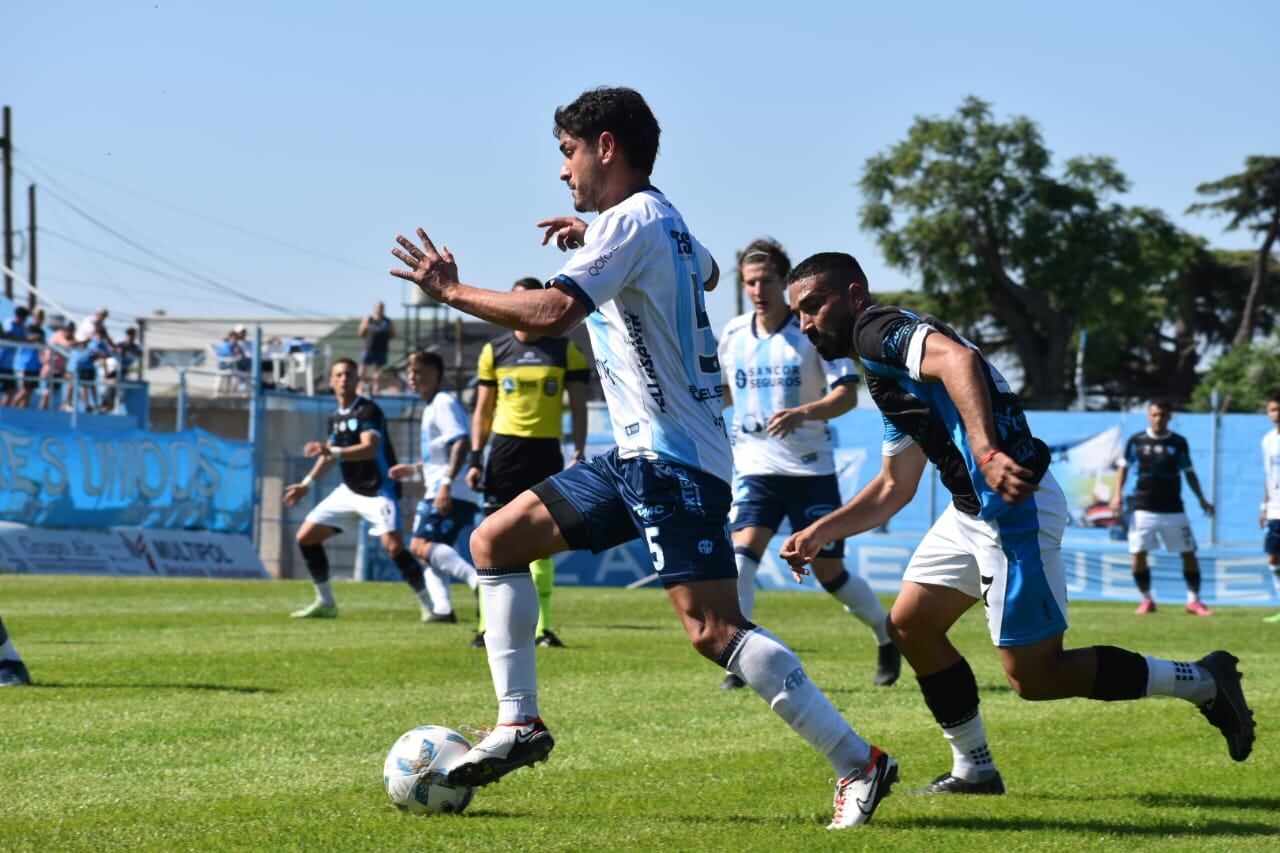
x,y
516,464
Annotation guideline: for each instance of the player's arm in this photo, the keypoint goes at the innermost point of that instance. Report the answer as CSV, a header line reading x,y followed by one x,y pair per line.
x,y
878,501
296,491
481,426
551,311
578,418
1194,482
959,370
835,403
713,279
1118,496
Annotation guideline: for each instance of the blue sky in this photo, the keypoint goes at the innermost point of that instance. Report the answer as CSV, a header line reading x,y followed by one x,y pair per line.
x,y
277,148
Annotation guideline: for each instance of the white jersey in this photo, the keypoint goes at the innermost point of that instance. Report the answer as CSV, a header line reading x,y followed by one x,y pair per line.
x,y
640,275
1271,460
444,421
767,373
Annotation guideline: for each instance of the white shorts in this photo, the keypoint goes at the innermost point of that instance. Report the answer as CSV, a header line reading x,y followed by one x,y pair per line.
x,y
1013,563
1171,528
382,512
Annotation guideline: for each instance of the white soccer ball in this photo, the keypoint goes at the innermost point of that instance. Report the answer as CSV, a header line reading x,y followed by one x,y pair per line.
x,y
416,772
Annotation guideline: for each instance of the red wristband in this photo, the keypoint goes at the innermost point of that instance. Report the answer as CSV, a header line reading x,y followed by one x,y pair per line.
x,y
982,463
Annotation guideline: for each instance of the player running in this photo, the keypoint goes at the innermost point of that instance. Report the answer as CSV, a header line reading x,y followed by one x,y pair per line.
x,y
447,504
638,278
999,541
1269,518
783,393
13,672
522,380
1161,458
359,443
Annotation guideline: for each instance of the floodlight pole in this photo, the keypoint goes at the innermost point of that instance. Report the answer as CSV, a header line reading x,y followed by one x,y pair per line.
x,y
6,145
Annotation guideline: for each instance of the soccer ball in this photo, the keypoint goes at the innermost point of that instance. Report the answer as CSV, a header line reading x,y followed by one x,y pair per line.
x,y
416,772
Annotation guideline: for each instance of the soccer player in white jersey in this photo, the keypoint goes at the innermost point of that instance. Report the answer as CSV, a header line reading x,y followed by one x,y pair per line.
x,y
1269,518
448,505
783,393
998,543
638,279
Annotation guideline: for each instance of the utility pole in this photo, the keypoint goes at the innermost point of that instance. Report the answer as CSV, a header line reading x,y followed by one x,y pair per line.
x,y
31,246
7,144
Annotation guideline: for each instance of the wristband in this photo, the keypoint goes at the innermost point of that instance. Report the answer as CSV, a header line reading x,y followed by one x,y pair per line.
x,y
336,453
307,481
477,459
982,463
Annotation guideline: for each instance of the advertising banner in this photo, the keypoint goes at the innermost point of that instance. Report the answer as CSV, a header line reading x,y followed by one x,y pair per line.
x,y
128,551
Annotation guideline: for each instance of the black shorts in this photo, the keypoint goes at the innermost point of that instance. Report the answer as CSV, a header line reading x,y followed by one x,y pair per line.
x,y
8,382
516,464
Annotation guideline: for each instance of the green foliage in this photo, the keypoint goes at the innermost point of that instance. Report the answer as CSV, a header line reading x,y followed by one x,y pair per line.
x,y
1245,377
179,715
1250,198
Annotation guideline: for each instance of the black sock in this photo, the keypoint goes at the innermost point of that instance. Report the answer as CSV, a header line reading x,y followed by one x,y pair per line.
x,y
317,562
1143,580
1121,675
952,694
1192,577
410,570
4,635
835,583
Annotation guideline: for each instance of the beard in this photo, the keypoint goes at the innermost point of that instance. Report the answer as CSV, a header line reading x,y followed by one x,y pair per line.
x,y
836,342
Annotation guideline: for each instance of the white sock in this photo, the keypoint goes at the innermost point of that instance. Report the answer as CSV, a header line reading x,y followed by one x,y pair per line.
x,y
1182,680
775,673
1275,577
1192,597
748,566
970,755
435,595
324,594
8,652
858,599
450,562
511,617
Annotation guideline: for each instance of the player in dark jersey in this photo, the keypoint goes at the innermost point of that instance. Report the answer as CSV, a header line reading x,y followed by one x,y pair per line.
x,y
359,443
1160,458
13,672
999,542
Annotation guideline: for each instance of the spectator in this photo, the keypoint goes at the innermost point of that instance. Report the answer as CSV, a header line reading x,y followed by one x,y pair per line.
x,y
27,361
129,352
95,322
377,333
116,367
85,364
232,354
53,363
14,330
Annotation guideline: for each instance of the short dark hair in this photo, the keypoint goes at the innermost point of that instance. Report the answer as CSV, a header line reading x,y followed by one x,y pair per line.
x,y
21,312
429,359
350,362
838,264
1275,396
1162,403
527,283
765,250
622,112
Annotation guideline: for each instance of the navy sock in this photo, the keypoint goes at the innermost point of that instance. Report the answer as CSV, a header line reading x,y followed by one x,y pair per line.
x,y
410,570
317,562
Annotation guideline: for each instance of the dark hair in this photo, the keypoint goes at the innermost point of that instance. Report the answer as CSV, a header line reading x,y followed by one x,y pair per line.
x,y
837,264
765,250
21,312
529,283
426,358
620,111
1275,396
350,362
1161,403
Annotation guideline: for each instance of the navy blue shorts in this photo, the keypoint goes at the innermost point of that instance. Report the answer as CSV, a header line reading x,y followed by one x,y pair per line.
x,y
680,512
376,357
764,500
1272,543
430,525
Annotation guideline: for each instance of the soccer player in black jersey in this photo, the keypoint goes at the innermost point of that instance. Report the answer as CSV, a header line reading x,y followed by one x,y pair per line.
x,y
1161,458
13,672
999,542
359,443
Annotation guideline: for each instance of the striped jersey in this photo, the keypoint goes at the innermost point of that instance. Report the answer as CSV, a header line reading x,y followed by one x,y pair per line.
x,y
767,373
444,423
1271,459
640,275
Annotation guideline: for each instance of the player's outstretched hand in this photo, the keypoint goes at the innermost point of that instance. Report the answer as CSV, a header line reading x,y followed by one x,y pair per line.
x,y
1008,479
434,272
402,471
784,422
294,493
570,232
473,479
312,449
800,549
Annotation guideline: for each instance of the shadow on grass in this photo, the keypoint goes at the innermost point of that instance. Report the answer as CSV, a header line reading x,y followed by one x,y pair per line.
x,y
989,823
1200,801
634,628
216,688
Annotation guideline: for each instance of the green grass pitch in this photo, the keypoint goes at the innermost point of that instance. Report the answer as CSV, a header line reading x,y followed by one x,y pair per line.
x,y
194,715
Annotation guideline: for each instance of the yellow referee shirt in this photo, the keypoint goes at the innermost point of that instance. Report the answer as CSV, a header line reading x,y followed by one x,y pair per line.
x,y
530,379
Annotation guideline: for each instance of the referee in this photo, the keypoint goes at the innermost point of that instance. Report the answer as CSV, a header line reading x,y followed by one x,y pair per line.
x,y
520,400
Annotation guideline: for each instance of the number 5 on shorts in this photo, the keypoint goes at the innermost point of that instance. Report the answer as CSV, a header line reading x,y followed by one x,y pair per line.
x,y
655,550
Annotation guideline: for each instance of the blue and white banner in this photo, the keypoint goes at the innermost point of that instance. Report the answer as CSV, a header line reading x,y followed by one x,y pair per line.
x,y
82,478
128,552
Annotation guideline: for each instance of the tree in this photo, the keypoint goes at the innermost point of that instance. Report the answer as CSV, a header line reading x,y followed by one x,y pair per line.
x,y
1252,200
970,204
1245,377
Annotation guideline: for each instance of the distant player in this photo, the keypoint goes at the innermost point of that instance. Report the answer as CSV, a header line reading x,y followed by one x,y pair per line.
x,y
998,542
13,672
359,443
377,332
522,380
783,393
638,279
447,504
1160,458
1269,518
